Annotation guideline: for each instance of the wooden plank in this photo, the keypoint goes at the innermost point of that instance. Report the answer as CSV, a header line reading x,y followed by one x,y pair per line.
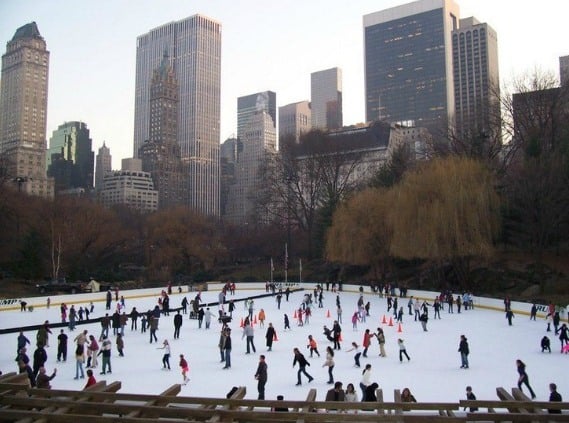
x,y
397,400
238,394
161,400
310,398
505,396
520,396
379,395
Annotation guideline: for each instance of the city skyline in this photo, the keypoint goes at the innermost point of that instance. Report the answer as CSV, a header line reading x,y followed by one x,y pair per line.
x,y
95,83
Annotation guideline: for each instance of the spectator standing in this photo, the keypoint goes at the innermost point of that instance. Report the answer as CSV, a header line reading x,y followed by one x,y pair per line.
x,y
261,377
554,396
471,397
92,351
365,381
105,351
40,357
248,332
464,350
177,324
270,336
120,345
336,393
62,346
227,348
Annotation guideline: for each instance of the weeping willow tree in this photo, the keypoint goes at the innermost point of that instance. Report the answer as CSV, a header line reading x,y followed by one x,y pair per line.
x,y
360,233
446,211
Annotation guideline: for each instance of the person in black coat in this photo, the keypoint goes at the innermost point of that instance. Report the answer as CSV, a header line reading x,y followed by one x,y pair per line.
x,y
270,336
40,357
116,322
464,351
302,363
109,300
370,393
523,378
227,348
201,315
177,324
545,344
337,333
554,396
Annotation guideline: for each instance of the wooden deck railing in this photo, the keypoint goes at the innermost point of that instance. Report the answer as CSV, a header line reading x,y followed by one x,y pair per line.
x,y
102,403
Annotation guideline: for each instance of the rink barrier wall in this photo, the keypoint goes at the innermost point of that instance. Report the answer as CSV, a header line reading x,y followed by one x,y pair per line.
x,y
496,304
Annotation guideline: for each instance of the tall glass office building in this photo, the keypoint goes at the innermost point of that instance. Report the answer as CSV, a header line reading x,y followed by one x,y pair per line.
x,y
194,46
408,62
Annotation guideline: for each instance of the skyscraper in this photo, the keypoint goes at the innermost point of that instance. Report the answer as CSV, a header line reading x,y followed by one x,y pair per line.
x,y
258,140
23,110
326,98
408,62
161,153
194,46
103,166
70,158
249,105
476,78
294,120
256,137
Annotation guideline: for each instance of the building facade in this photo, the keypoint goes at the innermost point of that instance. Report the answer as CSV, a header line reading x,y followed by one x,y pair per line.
x,y
249,105
130,187
194,46
23,111
103,165
258,141
326,99
228,153
161,155
70,158
295,119
408,62
476,78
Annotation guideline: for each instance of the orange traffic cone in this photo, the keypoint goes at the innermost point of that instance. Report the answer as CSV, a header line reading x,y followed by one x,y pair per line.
x,y
275,338
340,337
391,321
384,320
255,319
399,328
295,316
328,314
241,324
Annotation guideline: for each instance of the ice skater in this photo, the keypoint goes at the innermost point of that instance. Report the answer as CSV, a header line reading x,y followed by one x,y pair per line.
x,y
523,378
402,350
166,357
185,369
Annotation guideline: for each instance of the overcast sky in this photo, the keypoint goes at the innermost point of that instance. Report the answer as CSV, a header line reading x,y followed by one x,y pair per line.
x,y
266,45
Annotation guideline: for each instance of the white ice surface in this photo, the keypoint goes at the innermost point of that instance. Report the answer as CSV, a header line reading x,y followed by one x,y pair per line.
x,y
433,374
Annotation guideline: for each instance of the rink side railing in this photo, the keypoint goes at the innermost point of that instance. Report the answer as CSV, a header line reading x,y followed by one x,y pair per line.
x,y
103,403
497,304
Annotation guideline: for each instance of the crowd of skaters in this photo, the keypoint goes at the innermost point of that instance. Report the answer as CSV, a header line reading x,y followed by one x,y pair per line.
x,y
334,336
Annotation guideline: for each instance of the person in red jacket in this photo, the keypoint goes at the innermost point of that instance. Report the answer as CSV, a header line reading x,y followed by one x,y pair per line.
x,y
90,379
185,368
